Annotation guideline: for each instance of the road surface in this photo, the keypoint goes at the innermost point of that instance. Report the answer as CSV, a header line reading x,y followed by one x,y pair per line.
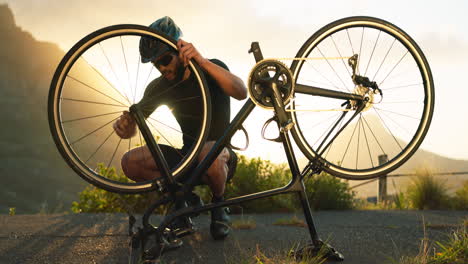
x,y
361,236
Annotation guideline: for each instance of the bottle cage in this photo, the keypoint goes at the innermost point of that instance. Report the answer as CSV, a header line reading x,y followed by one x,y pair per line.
x,y
246,140
267,123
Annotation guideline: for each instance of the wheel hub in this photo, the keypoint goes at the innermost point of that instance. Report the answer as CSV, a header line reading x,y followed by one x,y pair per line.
x,y
365,92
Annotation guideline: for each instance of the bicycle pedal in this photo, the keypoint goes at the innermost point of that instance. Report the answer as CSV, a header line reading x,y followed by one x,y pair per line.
x,y
179,233
168,243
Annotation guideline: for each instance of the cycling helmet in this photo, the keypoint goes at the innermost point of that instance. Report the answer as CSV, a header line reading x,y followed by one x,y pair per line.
x,y
151,48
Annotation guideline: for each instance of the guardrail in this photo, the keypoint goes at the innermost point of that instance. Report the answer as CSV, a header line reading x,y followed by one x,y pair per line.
x,y
382,193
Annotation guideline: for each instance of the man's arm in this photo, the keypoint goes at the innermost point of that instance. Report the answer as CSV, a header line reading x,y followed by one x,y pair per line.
x,y
230,83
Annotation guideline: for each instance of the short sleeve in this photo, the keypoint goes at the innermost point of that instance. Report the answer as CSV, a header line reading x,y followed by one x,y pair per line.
x,y
150,102
220,63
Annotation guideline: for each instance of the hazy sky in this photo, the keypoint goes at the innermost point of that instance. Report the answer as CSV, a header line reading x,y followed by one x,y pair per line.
x,y
225,29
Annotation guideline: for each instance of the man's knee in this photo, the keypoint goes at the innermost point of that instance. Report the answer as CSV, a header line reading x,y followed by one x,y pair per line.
x,y
125,163
131,166
218,169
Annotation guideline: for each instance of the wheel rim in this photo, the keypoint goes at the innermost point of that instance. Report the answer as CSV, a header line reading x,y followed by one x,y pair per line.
x,y
391,59
104,71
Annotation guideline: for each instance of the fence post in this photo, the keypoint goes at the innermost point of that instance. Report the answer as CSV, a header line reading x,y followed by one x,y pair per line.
x,y
382,195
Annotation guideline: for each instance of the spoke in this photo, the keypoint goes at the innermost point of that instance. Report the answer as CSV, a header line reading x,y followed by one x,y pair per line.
x,y
349,143
326,119
339,53
94,89
129,147
98,148
333,69
373,134
191,137
126,64
89,117
147,78
112,68
329,128
358,141
385,57
113,155
395,113
141,147
401,102
136,79
350,43
94,131
372,54
315,82
402,86
91,102
189,116
183,99
396,123
385,124
367,144
340,126
107,81
168,89
323,76
393,68
166,140
360,51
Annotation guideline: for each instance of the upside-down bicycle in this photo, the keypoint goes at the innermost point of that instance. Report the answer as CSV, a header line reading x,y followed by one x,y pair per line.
x,y
358,88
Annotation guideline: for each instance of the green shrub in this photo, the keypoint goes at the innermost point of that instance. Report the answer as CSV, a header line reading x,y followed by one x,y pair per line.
x,y
326,192
460,201
252,175
95,200
399,200
426,192
256,175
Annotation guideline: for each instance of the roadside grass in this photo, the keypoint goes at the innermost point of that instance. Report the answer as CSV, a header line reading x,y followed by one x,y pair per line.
x,y
293,221
461,197
452,251
455,250
425,192
244,223
445,226
286,257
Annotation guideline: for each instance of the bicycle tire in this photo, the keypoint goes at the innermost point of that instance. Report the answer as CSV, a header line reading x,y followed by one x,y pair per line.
x,y
87,59
332,44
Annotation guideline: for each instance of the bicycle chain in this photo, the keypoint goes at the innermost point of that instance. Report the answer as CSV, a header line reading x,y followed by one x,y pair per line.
x,y
293,98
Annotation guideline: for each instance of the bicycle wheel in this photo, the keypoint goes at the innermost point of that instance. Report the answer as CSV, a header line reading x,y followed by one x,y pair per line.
x,y
392,124
98,79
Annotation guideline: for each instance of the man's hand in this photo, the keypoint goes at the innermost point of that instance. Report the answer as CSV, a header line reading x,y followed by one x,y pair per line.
x,y
125,126
231,84
187,51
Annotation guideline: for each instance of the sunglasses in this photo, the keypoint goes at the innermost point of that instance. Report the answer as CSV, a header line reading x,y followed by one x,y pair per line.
x,y
163,61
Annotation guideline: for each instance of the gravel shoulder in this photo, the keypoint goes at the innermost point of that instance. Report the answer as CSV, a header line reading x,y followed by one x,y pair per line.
x,y
361,236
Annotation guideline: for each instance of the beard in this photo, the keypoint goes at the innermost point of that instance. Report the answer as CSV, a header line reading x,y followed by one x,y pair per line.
x,y
179,74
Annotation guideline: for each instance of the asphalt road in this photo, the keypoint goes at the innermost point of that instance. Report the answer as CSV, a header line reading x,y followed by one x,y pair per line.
x,y
361,236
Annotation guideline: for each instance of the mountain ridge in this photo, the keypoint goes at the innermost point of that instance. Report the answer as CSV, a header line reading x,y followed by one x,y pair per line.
x,y
35,177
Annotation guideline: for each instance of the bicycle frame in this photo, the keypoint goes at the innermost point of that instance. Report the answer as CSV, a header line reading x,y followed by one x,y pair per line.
x,y
296,185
